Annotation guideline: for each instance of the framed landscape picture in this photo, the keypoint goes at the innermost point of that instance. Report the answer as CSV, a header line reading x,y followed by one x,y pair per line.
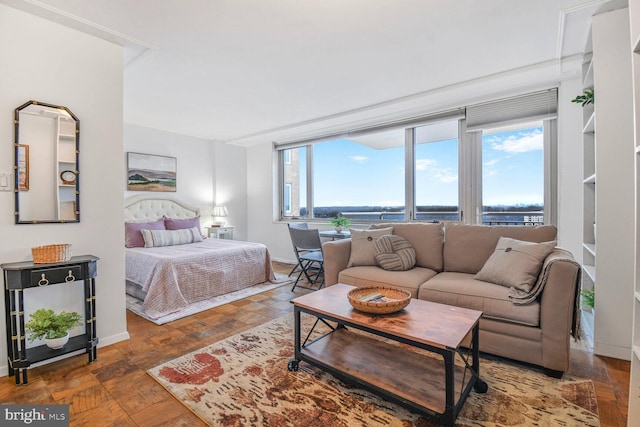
x,y
149,172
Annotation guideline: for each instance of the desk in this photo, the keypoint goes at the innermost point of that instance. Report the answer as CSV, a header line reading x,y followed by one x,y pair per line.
x,y
333,235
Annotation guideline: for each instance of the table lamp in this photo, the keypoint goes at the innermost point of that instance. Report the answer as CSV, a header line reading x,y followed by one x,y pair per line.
x,y
219,212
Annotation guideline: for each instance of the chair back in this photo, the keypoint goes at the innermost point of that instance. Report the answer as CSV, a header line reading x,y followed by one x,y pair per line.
x,y
305,239
298,225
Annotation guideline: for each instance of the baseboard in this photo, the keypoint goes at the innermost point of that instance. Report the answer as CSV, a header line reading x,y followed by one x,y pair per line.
x,y
123,336
617,352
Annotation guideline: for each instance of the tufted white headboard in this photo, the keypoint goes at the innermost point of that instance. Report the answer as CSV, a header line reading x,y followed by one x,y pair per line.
x,y
145,208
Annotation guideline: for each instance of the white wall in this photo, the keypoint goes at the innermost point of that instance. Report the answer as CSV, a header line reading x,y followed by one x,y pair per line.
x,y
570,168
48,62
207,172
194,157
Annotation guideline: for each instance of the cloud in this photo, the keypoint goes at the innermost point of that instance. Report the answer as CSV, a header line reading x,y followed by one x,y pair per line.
x,y
493,162
521,143
445,175
359,159
435,173
424,164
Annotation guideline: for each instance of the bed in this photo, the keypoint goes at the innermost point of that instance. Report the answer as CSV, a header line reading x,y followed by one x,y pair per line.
x,y
170,277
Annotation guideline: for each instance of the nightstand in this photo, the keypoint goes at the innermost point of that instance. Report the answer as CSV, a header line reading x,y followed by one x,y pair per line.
x,y
225,232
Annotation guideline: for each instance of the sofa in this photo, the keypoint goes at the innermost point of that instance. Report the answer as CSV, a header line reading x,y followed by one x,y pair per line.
x,y
528,324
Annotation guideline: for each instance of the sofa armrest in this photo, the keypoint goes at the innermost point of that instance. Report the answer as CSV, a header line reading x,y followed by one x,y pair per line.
x,y
336,257
559,311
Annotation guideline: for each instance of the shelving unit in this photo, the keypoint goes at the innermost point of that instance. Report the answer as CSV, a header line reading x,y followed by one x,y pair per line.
x,y
66,150
633,418
608,191
589,185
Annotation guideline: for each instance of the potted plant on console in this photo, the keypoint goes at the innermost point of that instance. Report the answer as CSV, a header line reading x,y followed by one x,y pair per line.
x,y
54,328
339,222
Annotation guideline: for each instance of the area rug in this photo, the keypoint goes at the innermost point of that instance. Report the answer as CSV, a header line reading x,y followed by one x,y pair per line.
x,y
135,305
244,381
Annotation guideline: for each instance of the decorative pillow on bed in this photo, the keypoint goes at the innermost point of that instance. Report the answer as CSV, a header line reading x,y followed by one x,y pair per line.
x,y
394,253
363,245
515,263
155,238
133,236
181,224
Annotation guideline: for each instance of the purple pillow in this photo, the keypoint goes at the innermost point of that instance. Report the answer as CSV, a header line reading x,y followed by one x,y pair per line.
x,y
133,236
180,224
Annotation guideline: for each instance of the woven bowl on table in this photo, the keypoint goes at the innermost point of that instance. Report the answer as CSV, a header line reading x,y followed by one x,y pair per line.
x,y
51,253
395,299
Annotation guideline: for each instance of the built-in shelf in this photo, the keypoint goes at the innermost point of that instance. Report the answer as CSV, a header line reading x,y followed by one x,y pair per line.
x,y
590,179
590,270
637,295
590,247
638,149
590,125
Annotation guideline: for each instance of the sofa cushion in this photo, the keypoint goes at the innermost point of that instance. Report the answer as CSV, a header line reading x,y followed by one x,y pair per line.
x,y
468,247
363,246
409,280
426,239
394,253
515,263
462,290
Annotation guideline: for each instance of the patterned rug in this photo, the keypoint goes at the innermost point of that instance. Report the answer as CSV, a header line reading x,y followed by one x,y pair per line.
x,y
135,305
244,381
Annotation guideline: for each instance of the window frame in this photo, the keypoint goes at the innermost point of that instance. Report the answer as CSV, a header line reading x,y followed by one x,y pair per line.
x,y
469,159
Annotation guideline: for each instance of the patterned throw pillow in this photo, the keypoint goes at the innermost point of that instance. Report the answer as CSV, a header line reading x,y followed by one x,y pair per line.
x,y
133,236
394,253
155,238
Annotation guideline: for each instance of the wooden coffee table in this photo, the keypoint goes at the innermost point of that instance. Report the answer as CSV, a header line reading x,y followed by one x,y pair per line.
x,y
435,386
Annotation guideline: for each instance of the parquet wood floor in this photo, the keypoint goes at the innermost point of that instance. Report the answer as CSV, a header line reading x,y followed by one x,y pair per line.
x,y
116,391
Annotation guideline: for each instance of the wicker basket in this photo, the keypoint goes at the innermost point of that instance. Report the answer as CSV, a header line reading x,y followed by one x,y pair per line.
x,y
394,299
51,253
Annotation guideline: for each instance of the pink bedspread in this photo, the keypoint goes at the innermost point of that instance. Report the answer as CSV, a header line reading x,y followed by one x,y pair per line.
x,y
175,276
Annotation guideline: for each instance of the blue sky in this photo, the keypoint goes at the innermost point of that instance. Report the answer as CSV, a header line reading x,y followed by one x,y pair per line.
x,y
351,174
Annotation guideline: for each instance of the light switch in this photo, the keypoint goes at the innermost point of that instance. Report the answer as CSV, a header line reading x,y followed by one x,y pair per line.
x,y
5,182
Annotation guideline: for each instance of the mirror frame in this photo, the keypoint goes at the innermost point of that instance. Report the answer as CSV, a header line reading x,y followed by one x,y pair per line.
x,y
16,146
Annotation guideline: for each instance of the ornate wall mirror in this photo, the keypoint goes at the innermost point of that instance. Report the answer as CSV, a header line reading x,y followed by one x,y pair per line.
x,y
47,142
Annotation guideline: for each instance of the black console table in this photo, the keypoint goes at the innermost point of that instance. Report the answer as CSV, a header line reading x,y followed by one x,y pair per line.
x,y
19,276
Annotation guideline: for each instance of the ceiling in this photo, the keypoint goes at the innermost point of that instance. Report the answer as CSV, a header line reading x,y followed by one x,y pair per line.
x,y
243,71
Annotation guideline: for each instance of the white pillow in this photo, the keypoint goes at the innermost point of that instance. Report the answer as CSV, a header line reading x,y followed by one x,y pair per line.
x,y
155,238
363,246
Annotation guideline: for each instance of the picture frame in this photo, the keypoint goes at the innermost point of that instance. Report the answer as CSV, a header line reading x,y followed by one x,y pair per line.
x,y
151,172
23,167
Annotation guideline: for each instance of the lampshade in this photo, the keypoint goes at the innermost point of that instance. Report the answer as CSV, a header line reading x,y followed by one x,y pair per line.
x,y
220,211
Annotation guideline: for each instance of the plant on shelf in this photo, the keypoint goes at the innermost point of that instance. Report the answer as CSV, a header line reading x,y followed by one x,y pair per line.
x,y
45,323
586,98
339,222
588,298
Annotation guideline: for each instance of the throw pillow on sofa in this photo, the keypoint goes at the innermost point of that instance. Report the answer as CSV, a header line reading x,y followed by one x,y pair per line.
x,y
363,246
515,263
394,253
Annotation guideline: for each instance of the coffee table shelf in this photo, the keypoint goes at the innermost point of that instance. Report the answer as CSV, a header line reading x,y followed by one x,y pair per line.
x,y
404,374
356,349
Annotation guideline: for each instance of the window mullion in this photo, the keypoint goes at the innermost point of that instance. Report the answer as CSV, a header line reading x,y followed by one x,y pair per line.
x,y
409,178
309,159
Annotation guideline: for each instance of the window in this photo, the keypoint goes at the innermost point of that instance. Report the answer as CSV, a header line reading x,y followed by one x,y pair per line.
x,y
287,199
360,177
489,163
294,178
513,175
436,171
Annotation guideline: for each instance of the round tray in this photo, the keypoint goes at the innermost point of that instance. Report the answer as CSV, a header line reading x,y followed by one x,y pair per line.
x,y
395,299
